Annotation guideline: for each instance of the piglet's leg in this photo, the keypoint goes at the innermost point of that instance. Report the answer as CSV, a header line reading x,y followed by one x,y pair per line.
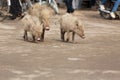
x,y
62,35
68,36
73,36
33,38
25,35
42,36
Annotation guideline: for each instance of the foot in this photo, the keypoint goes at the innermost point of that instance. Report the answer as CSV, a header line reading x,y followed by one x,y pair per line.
x,y
12,17
112,14
102,7
72,10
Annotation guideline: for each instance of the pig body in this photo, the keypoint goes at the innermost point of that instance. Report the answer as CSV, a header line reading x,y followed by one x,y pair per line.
x,y
43,13
31,24
70,23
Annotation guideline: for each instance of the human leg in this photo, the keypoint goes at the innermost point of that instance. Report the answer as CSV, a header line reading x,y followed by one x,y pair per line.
x,y
102,4
69,6
114,9
15,8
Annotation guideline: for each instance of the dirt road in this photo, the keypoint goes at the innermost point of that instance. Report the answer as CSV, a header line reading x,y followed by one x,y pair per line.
x,y
95,58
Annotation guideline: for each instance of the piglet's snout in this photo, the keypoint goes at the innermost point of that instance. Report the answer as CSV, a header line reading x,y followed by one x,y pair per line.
x,y
83,37
38,39
47,28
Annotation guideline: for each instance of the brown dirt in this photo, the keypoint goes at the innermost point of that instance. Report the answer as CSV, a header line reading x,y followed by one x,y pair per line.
x,y
93,58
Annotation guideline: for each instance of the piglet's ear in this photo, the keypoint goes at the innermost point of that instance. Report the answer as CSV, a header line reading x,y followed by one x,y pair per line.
x,y
77,23
41,24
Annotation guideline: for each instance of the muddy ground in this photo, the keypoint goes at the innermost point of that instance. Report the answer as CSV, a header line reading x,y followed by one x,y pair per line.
x,y
97,57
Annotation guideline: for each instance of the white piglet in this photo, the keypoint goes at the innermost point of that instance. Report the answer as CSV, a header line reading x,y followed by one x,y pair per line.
x,y
70,23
